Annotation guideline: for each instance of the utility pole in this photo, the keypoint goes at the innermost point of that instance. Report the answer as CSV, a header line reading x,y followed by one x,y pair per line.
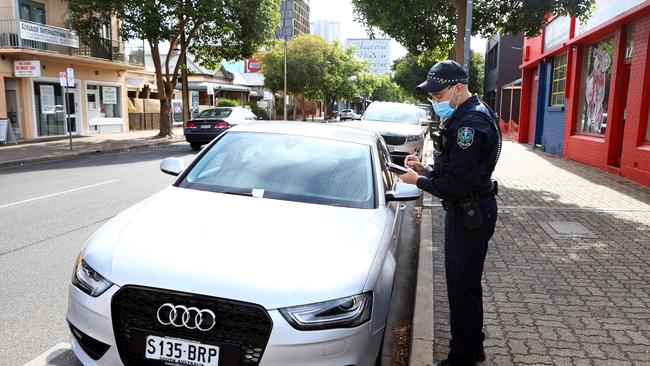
x,y
468,35
284,33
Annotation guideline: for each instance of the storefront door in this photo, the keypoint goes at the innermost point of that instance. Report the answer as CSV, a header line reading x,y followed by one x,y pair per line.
x,y
12,111
617,138
50,109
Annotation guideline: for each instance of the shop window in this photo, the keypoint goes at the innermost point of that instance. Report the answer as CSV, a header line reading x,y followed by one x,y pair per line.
x,y
595,85
559,80
629,41
492,58
50,109
108,99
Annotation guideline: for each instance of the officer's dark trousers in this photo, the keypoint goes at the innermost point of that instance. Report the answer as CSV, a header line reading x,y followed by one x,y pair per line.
x,y
465,252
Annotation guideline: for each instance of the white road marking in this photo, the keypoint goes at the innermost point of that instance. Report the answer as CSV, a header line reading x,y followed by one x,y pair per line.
x,y
57,194
60,355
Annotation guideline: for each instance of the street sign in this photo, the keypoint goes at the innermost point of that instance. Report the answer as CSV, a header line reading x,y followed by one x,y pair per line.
x,y
210,89
63,78
70,73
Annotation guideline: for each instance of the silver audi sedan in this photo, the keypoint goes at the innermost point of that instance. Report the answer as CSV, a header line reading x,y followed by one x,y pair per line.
x,y
275,246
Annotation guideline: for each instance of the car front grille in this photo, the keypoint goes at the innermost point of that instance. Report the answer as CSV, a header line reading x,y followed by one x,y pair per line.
x,y
240,327
394,140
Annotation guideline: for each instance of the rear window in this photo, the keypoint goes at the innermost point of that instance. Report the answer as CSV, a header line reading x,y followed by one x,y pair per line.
x,y
287,167
215,113
391,113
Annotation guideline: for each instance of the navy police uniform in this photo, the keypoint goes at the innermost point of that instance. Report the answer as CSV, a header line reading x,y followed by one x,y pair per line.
x,y
466,154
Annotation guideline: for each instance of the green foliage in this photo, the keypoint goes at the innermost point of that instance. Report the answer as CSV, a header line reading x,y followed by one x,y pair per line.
x,y
476,73
410,71
314,67
431,25
225,102
386,90
259,112
214,30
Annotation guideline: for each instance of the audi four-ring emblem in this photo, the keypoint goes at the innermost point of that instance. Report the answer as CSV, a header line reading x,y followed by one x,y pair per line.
x,y
190,318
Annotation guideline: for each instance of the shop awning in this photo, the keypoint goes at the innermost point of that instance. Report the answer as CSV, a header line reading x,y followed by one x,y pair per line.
x,y
203,85
138,83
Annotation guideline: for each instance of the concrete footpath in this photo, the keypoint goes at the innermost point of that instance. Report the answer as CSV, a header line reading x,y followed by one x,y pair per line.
x,y
33,152
567,274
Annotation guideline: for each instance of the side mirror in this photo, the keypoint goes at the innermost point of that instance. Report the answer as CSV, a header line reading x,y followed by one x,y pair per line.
x,y
172,166
403,192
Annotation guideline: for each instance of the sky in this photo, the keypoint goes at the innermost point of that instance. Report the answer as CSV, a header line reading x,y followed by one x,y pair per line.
x,y
341,10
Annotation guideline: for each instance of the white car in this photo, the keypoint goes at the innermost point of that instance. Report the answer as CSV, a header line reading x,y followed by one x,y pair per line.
x,y
275,246
401,125
348,114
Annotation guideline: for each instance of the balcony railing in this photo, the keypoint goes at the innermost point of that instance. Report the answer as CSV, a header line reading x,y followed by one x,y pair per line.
x,y
63,41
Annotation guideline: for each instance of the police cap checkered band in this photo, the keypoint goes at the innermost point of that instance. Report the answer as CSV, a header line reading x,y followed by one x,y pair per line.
x,y
443,74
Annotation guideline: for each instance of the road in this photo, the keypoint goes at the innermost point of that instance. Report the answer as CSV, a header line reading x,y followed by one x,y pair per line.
x,y
47,212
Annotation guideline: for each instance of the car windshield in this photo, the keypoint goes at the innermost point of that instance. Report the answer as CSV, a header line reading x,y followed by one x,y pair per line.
x,y
391,113
215,113
287,167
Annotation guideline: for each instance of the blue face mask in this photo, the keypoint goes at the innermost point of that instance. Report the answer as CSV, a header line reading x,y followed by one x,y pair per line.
x,y
444,109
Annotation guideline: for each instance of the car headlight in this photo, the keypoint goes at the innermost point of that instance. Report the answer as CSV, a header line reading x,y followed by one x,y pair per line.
x,y
88,280
347,312
413,138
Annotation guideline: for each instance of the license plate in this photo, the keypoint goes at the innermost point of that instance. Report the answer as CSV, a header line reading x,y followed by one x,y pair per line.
x,y
181,351
206,126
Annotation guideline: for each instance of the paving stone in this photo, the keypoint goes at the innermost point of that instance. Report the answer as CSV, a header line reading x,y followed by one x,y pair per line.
x,y
567,275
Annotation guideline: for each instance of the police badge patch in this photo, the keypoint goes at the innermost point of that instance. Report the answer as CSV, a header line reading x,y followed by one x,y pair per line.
x,y
465,137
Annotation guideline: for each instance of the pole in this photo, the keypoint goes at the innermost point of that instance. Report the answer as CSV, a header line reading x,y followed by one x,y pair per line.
x,y
468,35
65,111
284,33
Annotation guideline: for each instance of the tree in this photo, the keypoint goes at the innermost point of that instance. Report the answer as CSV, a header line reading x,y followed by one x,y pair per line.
x,y
213,30
437,25
314,68
476,73
386,90
409,71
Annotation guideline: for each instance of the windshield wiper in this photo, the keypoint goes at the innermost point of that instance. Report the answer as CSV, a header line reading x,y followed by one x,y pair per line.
x,y
247,194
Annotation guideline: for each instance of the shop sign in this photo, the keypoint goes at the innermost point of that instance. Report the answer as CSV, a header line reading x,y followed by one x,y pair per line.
x,y
110,94
48,34
605,10
556,32
27,69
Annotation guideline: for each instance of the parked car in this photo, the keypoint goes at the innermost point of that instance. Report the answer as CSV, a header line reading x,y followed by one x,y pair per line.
x,y
211,122
285,256
401,125
348,114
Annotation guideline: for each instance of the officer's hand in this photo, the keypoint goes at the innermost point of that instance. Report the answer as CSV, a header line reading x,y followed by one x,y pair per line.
x,y
413,162
411,177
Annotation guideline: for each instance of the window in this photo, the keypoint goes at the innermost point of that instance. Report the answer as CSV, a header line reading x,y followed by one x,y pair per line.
x,y
32,11
110,100
492,58
384,159
558,81
595,84
629,41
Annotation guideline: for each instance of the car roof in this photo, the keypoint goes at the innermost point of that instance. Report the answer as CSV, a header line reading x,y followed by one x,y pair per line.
x,y
404,105
312,129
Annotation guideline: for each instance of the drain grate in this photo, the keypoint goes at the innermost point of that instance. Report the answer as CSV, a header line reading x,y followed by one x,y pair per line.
x,y
567,229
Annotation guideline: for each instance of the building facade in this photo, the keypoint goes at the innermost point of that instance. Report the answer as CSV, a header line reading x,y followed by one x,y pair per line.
x,y
377,51
329,30
36,45
502,81
295,19
585,88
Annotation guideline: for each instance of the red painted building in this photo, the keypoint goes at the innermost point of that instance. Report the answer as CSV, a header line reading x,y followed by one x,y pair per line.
x,y
586,88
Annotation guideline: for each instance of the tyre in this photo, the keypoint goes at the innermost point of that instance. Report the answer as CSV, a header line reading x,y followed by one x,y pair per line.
x,y
195,146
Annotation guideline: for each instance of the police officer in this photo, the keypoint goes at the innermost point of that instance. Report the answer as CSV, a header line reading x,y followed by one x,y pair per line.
x,y
467,147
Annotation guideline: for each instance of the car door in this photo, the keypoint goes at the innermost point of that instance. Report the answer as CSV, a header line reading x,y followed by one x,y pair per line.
x,y
393,211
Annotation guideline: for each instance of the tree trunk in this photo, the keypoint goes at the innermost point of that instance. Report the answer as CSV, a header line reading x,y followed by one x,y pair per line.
x,y
294,107
165,122
458,53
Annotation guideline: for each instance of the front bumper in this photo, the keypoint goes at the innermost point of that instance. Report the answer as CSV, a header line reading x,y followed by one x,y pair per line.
x,y
286,345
